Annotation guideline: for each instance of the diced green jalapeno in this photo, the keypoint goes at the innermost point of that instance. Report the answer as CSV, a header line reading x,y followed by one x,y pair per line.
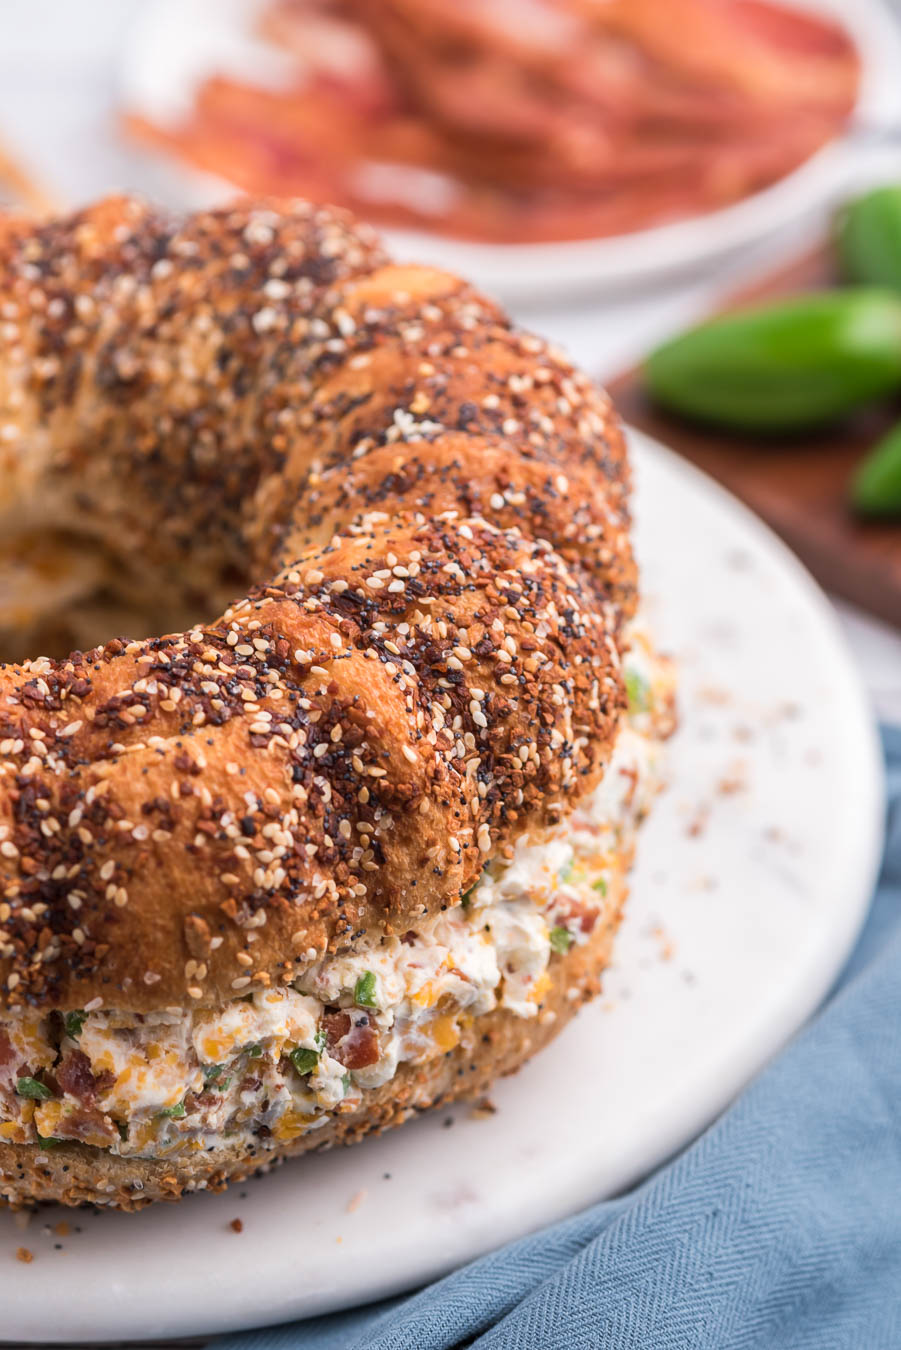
x,y
637,691
212,1075
304,1060
173,1112
30,1087
364,990
561,939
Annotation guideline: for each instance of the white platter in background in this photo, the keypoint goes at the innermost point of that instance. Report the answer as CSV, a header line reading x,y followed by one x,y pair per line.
x,y
754,875
174,43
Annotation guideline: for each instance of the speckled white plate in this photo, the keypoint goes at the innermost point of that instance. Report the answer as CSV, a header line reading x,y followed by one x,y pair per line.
x,y
754,876
175,43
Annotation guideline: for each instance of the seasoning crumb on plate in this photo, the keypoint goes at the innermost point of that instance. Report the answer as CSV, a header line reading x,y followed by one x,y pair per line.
x,y
24,1255
237,1226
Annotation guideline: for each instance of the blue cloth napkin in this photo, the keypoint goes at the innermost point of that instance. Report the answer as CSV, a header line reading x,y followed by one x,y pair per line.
x,y
779,1229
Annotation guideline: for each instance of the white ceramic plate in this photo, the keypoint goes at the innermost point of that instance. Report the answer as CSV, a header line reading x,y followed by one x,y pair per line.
x,y
176,42
754,876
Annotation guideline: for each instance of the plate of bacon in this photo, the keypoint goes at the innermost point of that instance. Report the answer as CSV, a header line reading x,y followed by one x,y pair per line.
x,y
533,145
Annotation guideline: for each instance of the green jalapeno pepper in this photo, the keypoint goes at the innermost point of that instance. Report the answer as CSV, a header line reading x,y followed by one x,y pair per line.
x,y
786,366
869,238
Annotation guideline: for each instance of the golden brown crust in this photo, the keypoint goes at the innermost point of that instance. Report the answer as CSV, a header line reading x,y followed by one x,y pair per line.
x,y
494,1044
432,670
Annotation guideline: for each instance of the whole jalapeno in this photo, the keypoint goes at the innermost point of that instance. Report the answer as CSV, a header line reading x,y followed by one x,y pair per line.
x,y
786,366
876,489
869,238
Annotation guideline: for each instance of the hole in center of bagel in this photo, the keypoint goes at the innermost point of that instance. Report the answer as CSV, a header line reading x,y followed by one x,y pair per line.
x,y
62,591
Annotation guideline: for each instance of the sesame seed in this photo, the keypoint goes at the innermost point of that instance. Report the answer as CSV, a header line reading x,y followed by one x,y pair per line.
x,y
265,319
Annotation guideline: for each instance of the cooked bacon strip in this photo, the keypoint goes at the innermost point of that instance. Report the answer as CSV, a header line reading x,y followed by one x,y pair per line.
x,y
527,119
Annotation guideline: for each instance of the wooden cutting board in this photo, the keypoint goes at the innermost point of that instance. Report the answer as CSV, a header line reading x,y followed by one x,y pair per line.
x,y
799,486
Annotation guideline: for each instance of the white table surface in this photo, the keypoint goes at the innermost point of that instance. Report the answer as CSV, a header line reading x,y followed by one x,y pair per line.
x,y
58,100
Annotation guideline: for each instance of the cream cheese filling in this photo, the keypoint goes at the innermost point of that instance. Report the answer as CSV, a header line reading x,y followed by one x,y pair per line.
x,y
267,1068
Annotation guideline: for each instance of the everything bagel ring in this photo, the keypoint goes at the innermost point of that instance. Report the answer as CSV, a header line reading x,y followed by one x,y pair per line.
x,y
360,843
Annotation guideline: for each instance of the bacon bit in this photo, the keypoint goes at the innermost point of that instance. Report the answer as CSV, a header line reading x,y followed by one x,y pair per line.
x,y
24,1255
335,1025
7,1054
360,1047
352,1039
103,1081
192,1104
586,916
75,1078
236,1226
86,1122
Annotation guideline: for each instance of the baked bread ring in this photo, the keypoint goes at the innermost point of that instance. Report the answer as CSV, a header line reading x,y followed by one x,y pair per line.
x,y
265,880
